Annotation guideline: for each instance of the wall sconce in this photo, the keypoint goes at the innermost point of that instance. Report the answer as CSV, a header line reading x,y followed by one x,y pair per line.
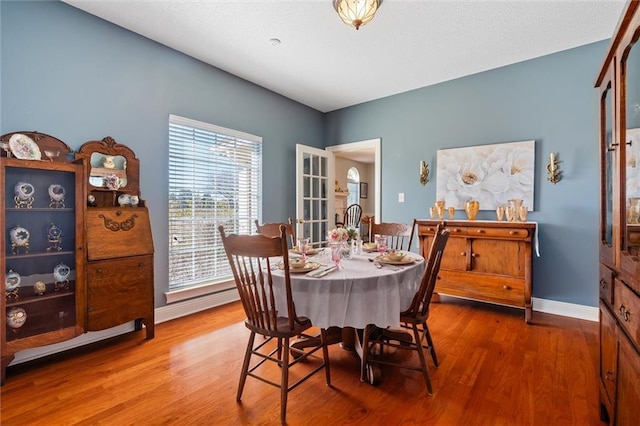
x,y
424,173
554,175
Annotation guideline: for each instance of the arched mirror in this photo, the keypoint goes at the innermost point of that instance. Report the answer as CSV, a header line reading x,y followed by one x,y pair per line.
x,y
112,170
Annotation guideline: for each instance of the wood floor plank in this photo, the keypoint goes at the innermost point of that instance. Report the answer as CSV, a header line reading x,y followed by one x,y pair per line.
x,y
495,370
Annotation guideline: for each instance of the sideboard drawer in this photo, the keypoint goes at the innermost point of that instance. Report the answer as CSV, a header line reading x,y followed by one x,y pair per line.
x,y
516,233
115,232
627,309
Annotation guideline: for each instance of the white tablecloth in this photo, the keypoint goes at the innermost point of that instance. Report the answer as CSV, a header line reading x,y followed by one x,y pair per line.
x,y
358,295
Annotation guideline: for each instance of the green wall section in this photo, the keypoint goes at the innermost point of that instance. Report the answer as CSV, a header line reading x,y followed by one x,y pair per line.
x,y
79,78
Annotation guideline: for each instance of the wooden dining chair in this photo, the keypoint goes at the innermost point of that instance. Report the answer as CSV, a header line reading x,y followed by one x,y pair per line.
x,y
352,216
413,318
273,230
252,258
399,235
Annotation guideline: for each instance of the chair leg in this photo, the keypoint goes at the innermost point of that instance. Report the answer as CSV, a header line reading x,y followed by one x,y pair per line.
x,y
423,361
432,348
365,353
245,365
284,385
325,355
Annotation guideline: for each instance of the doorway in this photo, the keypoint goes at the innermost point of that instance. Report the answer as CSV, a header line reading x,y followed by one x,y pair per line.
x,y
367,152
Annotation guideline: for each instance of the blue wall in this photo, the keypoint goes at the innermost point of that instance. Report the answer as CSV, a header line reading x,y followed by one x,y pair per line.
x,y
550,99
79,78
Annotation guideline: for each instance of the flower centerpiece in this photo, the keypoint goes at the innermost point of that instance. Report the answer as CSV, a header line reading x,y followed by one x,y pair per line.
x,y
340,239
338,235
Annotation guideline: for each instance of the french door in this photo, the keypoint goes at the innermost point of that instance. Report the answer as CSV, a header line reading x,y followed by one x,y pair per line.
x,y
314,193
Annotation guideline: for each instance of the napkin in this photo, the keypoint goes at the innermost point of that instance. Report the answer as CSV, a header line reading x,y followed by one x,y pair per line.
x,y
321,272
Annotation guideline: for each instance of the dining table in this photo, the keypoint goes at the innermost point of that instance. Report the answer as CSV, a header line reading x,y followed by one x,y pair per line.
x,y
367,288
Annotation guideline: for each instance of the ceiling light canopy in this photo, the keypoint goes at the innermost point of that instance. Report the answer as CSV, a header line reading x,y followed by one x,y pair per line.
x,y
356,12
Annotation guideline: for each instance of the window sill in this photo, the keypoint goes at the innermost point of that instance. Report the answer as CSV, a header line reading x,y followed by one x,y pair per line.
x,y
197,291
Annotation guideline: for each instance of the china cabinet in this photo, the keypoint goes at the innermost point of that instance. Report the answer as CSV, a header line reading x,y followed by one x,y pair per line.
x,y
42,262
488,261
618,83
119,244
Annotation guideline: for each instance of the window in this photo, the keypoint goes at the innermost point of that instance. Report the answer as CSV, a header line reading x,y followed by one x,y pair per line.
x,y
353,186
215,178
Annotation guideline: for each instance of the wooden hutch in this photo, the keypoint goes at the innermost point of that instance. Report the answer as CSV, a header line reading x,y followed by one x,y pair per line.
x,y
76,257
619,242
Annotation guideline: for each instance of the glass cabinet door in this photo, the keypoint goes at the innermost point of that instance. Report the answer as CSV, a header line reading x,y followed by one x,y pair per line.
x,y
608,153
43,285
630,189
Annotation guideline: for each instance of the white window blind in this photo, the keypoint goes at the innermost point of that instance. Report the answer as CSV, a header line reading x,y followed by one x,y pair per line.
x,y
215,178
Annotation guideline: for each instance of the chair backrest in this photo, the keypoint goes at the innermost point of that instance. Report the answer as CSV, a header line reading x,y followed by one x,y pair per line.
x,y
399,235
421,300
273,230
352,216
251,258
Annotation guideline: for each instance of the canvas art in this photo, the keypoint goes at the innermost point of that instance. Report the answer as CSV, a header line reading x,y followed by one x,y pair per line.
x,y
491,174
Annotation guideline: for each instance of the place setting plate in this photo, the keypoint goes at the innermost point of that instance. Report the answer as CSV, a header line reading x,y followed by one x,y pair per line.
x,y
308,267
310,252
406,260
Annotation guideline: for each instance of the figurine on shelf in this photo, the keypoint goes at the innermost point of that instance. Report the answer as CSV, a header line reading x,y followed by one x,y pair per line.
x,y
134,200
108,163
61,274
16,317
19,239
11,284
91,201
54,237
113,182
124,200
39,288
56,194
24,195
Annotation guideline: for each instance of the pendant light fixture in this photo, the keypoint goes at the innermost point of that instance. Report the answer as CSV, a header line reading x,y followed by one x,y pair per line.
x,y
356,12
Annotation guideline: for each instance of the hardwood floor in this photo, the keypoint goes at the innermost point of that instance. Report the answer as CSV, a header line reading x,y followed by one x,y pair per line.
x,y
494,370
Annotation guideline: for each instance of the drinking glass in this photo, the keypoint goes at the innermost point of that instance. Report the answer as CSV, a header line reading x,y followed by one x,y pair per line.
x,y
381,241
471,208
452,212
500,212
512,213
303,247
336,253
433,212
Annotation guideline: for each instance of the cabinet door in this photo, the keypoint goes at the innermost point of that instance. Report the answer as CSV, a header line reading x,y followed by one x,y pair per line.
x,y
42,225
630,150
456,254
499,257
608,155
608,354
628,393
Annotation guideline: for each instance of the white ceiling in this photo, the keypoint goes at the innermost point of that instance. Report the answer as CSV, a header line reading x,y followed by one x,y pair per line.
x,y
327,65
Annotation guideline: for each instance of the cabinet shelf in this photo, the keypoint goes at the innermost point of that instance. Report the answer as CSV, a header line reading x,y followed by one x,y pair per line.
x,y
39,254
38,209
25,300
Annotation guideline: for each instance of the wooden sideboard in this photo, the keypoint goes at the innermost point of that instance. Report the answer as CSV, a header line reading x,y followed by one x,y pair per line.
x,y
488,261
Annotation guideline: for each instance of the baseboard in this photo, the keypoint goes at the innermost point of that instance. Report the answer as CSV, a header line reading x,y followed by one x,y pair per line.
x,y
572,310
188,307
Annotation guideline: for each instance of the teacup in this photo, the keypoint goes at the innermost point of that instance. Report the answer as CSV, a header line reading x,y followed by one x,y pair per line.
x,y
297,263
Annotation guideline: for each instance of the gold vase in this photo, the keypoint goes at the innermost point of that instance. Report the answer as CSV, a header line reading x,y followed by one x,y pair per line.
x,y
471,208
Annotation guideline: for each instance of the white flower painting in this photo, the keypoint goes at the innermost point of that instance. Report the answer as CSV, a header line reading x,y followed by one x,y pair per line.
x,y
633,163
491,174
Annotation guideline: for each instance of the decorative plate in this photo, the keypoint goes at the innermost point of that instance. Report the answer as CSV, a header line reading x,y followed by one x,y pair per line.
x,y
24,190
56,192
370,247
404,261
23,147
61,272
309,266
16,317
11,280
19,236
